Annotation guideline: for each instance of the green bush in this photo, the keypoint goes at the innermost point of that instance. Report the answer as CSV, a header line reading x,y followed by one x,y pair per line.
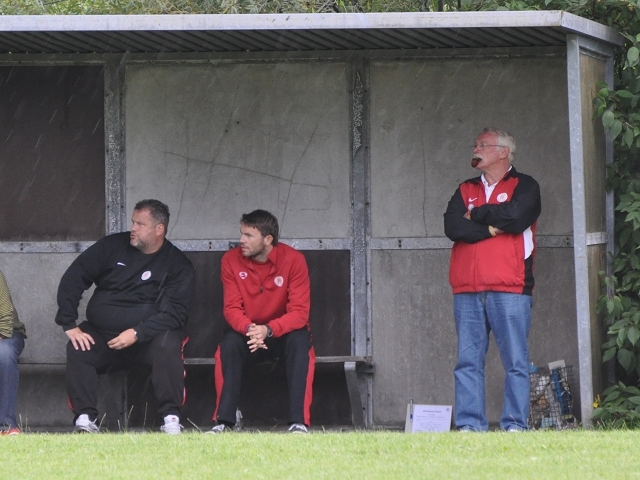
x,y
619,409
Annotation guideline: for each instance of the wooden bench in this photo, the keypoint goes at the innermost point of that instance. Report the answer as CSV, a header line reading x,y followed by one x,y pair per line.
x,y
356,369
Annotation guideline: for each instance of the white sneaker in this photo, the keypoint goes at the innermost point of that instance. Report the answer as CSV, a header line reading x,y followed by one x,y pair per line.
x,y
220,428
84,425
298,428
171,425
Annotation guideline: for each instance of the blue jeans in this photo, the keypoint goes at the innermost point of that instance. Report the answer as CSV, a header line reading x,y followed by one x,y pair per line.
x,y
10,349
509,316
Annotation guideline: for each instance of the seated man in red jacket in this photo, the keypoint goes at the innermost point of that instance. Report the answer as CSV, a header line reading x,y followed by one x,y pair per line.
x,y
266,304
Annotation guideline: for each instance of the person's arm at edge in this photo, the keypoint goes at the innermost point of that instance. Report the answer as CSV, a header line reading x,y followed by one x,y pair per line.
x,y
6,309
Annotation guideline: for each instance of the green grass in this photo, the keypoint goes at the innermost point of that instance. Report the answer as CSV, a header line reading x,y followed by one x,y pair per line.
x,y
536,455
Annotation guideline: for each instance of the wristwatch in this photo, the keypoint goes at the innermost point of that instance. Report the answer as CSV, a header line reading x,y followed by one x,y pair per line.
x,y
269,331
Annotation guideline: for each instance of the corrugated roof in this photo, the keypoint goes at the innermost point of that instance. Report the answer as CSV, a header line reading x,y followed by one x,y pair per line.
x,y
292,32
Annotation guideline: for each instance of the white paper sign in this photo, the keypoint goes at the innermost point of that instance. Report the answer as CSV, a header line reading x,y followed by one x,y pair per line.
x,y
430,418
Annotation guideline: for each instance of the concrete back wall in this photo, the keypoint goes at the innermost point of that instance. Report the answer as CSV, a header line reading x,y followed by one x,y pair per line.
x,y
33,280
215,142
220,140
52,173
425,117
414,333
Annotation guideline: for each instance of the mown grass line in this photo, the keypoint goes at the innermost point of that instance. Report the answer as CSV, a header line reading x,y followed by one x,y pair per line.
x,y
357,455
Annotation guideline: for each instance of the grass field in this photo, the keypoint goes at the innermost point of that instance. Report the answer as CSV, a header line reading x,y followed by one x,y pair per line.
x,y
361,455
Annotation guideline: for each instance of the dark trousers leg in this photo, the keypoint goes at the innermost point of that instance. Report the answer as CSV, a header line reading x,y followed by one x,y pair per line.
x,y
82,372
231,356
164,355
300,360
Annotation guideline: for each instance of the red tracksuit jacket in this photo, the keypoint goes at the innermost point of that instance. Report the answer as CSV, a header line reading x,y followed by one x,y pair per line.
x,y
283,301
480,262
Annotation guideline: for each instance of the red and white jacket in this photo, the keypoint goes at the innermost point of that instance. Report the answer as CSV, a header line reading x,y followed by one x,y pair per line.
x,y
282,301
479,261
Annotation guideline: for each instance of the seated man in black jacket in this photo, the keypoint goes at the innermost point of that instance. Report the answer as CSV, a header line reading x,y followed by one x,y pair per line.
x,y
144,287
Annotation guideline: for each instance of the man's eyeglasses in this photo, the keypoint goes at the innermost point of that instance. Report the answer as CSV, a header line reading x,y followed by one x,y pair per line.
x,y
482,146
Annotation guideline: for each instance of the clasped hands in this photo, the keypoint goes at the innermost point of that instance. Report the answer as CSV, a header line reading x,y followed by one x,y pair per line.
x,y
256,334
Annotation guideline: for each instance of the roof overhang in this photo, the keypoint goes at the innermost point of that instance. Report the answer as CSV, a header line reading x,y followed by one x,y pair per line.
x,y
47,34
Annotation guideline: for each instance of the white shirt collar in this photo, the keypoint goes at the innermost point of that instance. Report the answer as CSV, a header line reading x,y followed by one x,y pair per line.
x,y
484,180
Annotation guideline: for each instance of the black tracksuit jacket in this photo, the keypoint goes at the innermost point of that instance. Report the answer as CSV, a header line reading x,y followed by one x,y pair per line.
x,y
148,292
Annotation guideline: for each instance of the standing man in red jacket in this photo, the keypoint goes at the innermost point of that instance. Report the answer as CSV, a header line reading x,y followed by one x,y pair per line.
x,y
266,303
492,221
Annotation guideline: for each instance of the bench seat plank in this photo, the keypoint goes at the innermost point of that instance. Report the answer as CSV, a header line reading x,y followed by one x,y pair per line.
x,y
334,359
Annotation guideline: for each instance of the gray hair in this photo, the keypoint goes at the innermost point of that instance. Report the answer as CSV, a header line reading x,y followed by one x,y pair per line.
x,y
505,139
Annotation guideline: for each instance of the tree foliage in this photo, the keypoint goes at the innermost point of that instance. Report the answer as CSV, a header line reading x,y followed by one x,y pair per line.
x,y
86,7
616,107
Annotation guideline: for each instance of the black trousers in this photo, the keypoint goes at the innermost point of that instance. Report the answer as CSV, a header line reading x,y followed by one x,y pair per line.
x,y
233,355
163,354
